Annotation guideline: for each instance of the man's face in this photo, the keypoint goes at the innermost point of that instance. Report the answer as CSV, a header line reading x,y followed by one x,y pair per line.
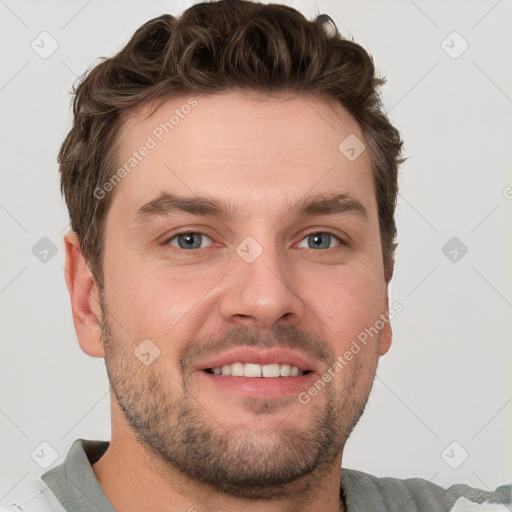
x,y
262,277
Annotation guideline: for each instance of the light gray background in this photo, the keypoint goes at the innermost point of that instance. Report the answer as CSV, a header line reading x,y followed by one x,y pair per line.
x,y
447,376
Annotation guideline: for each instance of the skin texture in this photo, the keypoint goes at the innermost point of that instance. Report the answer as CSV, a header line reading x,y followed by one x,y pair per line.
x,y
177,443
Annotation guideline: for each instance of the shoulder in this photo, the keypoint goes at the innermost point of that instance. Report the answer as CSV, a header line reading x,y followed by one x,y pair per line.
x,y
417,494
40,500
41,493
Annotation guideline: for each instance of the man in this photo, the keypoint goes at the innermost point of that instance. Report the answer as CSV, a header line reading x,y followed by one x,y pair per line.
x,y
231,180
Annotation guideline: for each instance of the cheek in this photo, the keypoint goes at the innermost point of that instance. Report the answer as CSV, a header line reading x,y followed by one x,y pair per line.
x,y
157,302
348,303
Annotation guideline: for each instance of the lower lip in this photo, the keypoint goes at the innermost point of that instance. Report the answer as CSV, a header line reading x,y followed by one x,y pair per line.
x,y
260,387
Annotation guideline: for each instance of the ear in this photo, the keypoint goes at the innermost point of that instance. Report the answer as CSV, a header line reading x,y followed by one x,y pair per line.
x,y
84,296
386,332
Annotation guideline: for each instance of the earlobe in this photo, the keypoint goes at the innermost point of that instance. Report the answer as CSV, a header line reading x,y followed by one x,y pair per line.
x,y
385,339
84,296
386,333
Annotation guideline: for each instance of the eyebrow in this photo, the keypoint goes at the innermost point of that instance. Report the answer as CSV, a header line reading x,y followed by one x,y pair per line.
x,y
325,204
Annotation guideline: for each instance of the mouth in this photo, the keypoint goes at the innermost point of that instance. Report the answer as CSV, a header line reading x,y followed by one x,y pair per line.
x,y
258,373
257,381
254,362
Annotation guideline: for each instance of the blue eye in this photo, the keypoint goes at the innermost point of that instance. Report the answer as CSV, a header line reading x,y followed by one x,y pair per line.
x,y
190,240
321,240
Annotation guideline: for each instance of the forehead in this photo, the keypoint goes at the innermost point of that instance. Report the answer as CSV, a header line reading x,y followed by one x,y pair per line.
x,y
240,146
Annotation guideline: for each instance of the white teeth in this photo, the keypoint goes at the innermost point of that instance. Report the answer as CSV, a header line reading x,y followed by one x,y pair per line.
x,y
237,369
252,370
285,370
257,370
270,370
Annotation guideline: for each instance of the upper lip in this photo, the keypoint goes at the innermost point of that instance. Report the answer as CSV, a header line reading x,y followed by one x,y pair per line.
x,y
259,356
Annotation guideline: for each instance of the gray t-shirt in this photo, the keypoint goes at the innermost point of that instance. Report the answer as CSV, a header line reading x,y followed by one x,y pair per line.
x,y
73,487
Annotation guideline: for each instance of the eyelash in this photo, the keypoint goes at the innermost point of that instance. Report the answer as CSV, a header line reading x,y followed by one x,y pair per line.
x,y
175,235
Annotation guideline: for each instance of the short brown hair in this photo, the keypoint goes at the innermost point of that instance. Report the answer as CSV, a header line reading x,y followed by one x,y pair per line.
x,y
214,47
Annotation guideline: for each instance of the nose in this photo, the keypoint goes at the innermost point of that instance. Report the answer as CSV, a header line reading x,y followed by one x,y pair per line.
x,y
260,292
